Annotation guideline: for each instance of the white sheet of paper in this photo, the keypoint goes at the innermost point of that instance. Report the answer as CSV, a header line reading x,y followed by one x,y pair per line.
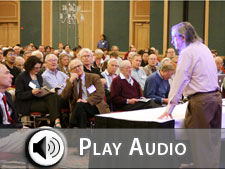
x,y
91,89
32,85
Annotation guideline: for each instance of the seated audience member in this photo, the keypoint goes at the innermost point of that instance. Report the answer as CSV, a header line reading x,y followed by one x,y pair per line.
x,y
76,50
98,57
39,55
110,73
19,63
132,49
53,78
87,60
1,56
151,67
47,50
86,93
41,48
174,61
60,49
144,61
9,62
112,55
28,99
126,91
157,85
17,50
170,53
137,72
214,53
8,115
130,56
27,54
165,60
67,50
219,65
64,61
106,54
115,49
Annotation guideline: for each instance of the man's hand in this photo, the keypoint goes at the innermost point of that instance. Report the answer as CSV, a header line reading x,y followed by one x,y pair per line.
x,y
35,91
73,77
81,100
165,101
165,114
132,101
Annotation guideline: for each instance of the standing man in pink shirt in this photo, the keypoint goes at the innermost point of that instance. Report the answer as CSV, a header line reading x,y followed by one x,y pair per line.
x,y
196,78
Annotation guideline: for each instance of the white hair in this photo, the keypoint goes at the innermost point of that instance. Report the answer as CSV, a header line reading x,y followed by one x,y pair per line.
x,y
112,60
72,62
18,58
46,58
165,60
99,51
37,52
124,63
85,50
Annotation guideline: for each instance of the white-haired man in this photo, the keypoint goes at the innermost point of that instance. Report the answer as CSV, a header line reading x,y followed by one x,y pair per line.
x,y
53,78
86,93
126,91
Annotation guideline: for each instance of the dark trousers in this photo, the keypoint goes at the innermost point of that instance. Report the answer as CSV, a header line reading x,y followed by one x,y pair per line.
x,y
48,104
204,110
138,106
81,113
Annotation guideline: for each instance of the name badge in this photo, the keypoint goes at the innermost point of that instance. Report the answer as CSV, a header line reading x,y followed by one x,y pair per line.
x,y
91,89
32,85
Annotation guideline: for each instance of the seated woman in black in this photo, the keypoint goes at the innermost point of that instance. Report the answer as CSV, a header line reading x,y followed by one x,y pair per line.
x,y
28,85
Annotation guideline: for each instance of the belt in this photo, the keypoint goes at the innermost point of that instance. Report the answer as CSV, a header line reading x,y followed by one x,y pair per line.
x,y
202,93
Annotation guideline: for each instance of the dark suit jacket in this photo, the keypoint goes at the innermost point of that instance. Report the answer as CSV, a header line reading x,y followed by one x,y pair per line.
x,y
17,123
96,98
24,94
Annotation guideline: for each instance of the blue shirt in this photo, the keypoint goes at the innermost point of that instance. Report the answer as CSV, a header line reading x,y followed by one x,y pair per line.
x,y
140,76
156,87
52,80
103,44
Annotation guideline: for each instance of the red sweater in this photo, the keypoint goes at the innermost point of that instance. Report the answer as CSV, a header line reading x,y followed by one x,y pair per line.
x,y
121,90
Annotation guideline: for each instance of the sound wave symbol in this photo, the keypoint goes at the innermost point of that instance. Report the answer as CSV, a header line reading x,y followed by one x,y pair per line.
x,y
53,146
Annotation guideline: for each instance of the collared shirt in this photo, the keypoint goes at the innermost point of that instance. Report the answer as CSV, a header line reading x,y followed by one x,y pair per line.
x,y
130,80
196,72
108,79
84,89
156,87
53,80
220,72
5,117
140,76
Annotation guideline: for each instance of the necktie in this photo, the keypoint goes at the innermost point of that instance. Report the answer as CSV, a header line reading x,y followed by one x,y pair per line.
x,y
7,113
80,89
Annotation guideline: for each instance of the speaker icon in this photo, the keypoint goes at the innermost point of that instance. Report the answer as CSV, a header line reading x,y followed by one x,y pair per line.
x,y
46,147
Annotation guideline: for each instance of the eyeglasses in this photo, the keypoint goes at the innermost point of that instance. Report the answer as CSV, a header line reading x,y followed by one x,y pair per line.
x,y
86,56
52,60
12,54
75,67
